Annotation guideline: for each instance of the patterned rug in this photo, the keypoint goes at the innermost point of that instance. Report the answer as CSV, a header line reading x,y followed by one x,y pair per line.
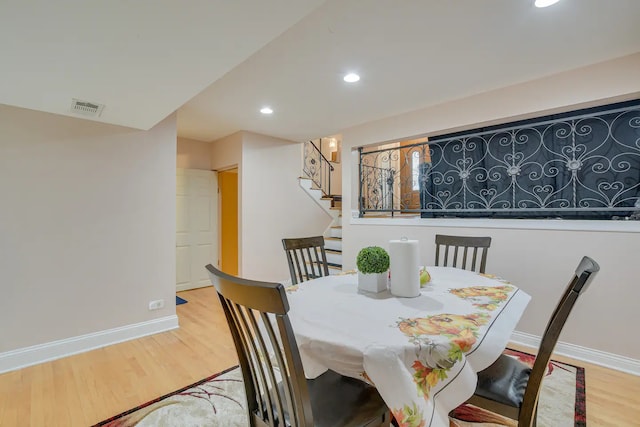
x,y
219,401
562,400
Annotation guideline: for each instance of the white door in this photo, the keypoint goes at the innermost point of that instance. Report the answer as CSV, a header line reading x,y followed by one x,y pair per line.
x,y
197,227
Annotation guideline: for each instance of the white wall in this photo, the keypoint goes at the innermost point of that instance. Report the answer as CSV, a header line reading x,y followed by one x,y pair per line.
x,y
274,206
87,226
539,261
589,86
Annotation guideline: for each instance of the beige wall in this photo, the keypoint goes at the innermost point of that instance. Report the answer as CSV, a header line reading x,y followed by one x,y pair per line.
x,y
538,261
227,152
193,154
336,178
87,226
274,206
336,174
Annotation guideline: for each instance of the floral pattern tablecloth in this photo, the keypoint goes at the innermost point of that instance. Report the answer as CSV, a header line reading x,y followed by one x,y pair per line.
x,y
421,353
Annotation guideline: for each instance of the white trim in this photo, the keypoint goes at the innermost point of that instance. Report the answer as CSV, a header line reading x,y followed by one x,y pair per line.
x,y
27,356
517,224
597,357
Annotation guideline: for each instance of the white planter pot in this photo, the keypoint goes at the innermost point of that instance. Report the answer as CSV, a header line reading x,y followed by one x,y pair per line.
x,y
374,282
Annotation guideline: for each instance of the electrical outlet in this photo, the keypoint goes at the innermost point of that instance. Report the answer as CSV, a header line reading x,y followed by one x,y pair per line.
x,y
156,304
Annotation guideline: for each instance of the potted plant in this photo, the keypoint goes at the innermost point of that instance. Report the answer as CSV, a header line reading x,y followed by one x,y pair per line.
x,y
373,264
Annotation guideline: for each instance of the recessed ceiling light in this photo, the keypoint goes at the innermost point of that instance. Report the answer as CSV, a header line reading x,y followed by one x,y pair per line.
x,y
266,110
351,78
545,3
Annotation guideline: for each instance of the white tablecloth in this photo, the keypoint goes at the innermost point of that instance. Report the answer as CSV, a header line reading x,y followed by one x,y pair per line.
x,y
421,353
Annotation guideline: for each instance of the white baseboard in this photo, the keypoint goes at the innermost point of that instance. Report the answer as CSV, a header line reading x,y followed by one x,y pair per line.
x,y
23,357
597,357
189,286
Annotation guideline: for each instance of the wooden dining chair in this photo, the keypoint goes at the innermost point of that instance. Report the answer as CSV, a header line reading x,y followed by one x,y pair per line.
x,y
307,258
274,380
510,388
448,250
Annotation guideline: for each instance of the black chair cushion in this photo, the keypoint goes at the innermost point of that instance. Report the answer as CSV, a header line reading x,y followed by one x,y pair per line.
x,y
342,401
505,381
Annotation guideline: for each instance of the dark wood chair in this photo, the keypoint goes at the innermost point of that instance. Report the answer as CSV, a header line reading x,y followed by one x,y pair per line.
x,y
307,258
448,247
510,388
272,369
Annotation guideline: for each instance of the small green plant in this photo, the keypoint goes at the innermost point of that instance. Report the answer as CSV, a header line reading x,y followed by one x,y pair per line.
x,y
372,259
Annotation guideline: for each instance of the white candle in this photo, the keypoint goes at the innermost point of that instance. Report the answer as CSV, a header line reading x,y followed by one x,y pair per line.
x,y
405,268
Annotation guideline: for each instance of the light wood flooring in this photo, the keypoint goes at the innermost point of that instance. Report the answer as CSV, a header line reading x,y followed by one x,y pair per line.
x,y
84,389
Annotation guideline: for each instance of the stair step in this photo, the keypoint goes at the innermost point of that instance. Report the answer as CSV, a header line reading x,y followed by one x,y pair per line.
x,y
333,251
333,243
335,270
334,258
336,201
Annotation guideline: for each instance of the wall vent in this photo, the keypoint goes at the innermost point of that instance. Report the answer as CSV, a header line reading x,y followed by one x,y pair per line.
x,y
86,108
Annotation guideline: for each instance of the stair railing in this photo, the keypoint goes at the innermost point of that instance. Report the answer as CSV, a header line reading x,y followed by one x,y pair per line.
x,y
318,168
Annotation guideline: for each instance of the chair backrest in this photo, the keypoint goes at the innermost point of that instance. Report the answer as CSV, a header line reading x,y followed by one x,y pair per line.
x,y
448,248
585,272
307,258
272,370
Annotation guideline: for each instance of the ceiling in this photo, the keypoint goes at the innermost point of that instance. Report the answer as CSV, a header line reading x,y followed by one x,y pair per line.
x,y
218,62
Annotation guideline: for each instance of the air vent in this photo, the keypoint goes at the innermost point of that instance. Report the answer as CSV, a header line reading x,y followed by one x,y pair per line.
x,y
86,108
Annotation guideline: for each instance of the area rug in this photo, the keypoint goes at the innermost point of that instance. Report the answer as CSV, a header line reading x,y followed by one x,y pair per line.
x,y
219,401
180,300
562,400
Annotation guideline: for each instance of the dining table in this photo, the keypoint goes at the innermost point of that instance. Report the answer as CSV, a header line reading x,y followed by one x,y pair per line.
x,y
421,353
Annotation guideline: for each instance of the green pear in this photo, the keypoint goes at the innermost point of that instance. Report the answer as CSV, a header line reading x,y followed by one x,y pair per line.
x,y
425,277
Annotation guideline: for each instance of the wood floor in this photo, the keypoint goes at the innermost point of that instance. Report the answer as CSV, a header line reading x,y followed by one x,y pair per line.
x,y
84,389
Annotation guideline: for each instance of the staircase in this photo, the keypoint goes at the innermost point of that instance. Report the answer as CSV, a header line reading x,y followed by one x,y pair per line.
x,y
333,234
333,245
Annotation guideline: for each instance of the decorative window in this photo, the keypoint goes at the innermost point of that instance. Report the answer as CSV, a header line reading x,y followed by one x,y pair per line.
x,y
584,164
